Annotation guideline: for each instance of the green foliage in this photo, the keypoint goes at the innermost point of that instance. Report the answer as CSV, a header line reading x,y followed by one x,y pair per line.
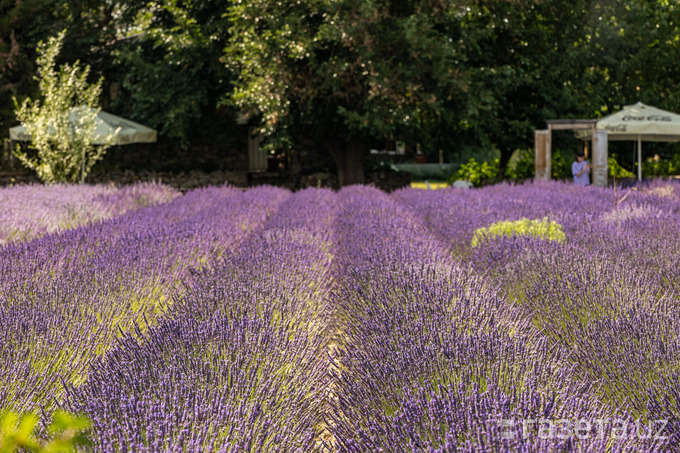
x,y
170,74
521,64
662,167
617,171
345,71
477,173
22,25
636,43
543,229
523,167
62,125
66,433
447,74
560,168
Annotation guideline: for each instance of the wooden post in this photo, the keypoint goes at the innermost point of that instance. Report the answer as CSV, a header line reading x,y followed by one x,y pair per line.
x,y
542,154
585,148
600,158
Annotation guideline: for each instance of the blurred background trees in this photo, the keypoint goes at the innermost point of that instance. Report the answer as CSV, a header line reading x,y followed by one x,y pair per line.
x,y
472,79
346,72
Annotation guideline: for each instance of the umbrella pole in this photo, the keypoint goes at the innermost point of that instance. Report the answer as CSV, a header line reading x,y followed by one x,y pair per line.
x,y
639,158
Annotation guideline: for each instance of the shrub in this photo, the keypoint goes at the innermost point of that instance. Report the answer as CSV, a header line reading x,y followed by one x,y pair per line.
x,y
617,171
63,124
543,229
662,167
524,167
477,173
560,168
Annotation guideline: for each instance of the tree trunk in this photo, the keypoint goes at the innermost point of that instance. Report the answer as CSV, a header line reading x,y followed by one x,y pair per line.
x,y
349,160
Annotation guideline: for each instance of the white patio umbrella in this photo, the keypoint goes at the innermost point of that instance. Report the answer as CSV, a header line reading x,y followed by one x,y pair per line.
x,y
124,131
639,122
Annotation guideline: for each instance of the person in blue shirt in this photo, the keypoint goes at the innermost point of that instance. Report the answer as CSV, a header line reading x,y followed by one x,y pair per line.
x,y
580,169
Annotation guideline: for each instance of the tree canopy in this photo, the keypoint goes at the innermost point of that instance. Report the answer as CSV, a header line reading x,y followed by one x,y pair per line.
x,y
344,71
448,74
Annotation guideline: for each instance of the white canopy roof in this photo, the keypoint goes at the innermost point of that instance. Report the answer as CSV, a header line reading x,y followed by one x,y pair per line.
x,y
125,131
639,122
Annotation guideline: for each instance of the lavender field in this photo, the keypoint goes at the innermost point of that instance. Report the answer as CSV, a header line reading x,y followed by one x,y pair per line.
x,y
31,210
265,320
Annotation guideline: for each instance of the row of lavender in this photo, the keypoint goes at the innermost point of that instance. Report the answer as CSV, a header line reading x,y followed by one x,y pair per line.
x,y
64,298
239,362
606,301
437,359
262,320
28,211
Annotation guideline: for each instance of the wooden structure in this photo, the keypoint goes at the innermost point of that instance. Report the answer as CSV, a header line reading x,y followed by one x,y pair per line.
x,y
543,149
257,157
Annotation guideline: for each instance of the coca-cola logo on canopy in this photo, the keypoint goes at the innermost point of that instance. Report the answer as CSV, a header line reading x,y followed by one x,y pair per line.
x,y
660,118
617,128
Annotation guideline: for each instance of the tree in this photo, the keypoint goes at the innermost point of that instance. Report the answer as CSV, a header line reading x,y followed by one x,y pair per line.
x,y
530,61
62,125
636,45
345,72
169,71
448,74
22,25
525,66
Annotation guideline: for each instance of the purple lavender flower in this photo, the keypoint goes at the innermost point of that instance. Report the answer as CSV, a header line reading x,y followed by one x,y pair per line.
x,y
266,320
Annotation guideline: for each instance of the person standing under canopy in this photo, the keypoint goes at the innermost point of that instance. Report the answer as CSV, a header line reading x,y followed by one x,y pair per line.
x,y
580,169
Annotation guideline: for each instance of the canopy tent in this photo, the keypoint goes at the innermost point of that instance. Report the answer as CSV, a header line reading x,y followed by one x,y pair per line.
x,y
639,122
124,131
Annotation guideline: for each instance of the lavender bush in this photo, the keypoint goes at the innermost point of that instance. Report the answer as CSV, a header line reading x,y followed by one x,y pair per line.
x,y
28,211
68,296
265,320
239,359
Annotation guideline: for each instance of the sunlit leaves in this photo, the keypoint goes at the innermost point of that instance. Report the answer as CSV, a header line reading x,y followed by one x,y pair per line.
x,y
352,68
66,433
543,229
170,71
61,124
